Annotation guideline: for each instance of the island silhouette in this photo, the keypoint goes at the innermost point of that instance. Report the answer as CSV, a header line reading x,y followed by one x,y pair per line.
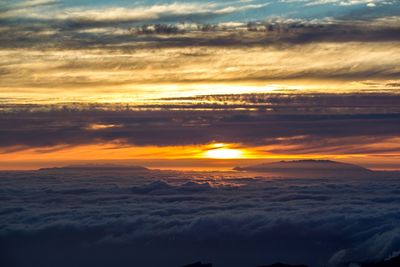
x,y
311,168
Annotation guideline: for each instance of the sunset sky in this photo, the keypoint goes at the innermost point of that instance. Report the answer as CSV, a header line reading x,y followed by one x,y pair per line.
x,y
235,133
199,84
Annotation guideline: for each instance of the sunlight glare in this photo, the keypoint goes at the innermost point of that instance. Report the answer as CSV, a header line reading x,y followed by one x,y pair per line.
x,y
223,153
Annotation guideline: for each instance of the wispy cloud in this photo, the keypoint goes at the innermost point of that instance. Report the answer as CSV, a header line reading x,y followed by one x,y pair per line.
x,y
13,9
369,3
210,67
118,14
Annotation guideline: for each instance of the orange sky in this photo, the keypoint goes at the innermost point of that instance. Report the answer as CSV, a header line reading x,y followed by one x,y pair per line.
x,y
213,156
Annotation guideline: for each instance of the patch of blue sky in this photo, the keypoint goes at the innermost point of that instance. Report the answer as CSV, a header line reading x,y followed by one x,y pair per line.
x,y
242,10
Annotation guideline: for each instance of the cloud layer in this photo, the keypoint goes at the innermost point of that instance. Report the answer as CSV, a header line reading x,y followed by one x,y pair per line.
x,y
279,123
69,218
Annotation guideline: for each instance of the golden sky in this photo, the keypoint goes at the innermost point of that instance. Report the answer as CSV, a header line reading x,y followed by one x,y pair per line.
x,y
171,81
119,75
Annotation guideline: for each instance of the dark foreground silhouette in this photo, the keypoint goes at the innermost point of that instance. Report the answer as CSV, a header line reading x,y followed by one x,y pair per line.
x,y
393,262
199,264
282,265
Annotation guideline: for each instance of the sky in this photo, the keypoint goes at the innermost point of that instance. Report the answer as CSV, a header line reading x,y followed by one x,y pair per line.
x,y
199,83
190,90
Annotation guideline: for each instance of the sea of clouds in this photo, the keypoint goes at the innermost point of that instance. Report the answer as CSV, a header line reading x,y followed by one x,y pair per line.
x,y
167,218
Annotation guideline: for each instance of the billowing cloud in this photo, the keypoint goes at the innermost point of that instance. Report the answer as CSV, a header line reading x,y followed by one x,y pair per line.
x,y
185,217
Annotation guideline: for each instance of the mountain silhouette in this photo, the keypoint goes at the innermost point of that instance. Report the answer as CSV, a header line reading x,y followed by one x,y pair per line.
x,y
309,168
96,167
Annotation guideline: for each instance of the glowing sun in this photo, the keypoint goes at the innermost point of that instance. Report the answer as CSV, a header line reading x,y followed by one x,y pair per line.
x,y
223,153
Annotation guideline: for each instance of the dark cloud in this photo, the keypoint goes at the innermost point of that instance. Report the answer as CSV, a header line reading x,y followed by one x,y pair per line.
x,y
156,34
207,54
89,218
345,124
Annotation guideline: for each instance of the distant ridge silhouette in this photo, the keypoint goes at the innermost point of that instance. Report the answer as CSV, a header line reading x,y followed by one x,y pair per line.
x,y
308,168
306,164
95,167
392,262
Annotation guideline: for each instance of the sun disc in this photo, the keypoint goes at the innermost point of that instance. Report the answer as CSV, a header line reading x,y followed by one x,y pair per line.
x,y
224,153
